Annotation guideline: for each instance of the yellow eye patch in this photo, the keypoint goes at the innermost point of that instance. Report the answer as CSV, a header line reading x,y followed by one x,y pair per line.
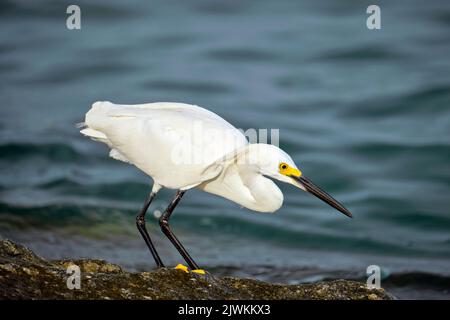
x,y
287,170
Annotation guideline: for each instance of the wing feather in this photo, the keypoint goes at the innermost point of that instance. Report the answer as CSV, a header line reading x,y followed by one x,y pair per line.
x,y
174,143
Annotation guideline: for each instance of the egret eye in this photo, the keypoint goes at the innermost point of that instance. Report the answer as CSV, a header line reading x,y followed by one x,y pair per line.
x,y
283,166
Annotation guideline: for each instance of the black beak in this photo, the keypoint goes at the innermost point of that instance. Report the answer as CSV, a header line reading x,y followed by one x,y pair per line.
x,y
321,194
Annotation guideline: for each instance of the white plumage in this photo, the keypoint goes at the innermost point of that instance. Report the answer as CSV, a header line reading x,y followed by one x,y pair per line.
x,y
148,136
183,146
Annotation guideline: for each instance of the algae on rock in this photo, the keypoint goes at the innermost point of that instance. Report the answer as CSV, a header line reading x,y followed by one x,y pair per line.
x,y
24,275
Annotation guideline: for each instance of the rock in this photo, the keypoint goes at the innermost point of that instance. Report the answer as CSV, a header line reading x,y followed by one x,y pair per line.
x,y
24,275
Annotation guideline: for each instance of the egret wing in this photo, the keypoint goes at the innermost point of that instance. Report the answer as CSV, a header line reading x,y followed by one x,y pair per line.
x,y
174,143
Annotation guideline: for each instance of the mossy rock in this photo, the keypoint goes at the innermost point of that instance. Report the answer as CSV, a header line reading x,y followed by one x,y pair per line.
x,y
24,275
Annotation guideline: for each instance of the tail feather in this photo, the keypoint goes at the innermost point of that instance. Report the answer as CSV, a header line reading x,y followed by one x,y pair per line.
x,y
94,134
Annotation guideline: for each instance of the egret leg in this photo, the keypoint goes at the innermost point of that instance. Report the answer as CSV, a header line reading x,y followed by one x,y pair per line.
x,y
164,223
140,223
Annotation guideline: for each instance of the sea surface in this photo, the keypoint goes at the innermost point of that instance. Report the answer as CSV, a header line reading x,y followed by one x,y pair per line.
x,y
364,113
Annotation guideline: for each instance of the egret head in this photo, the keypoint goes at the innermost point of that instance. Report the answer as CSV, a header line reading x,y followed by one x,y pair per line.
x,y
277,164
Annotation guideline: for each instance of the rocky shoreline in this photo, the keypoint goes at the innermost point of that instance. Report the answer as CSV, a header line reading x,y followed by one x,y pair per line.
x,y
24,275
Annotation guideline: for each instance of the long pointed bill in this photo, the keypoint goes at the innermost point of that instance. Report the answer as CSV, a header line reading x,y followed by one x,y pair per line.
x,y
321,194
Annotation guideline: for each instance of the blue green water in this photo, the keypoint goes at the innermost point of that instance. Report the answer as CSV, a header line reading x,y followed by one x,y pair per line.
x,y
365,114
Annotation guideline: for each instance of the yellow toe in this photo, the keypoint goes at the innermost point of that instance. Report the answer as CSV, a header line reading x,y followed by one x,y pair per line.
x,y
199,271
182,268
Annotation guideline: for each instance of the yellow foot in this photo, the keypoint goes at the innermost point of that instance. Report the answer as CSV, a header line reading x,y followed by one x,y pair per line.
x,y
199,271
182,268
186,269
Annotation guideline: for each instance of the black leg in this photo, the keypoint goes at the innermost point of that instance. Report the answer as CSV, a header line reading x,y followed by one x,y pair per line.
x,y
164,223
140,223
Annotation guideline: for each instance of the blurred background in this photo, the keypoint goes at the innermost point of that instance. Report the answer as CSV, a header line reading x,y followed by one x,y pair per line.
x,y
364,113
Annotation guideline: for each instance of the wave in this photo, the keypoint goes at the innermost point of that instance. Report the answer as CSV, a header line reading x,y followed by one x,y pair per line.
x,y
52,151
56,215
362,53
47,10
390,149
87,221
376,207
418,279
65,74
431,101
191,87
411,279
127,191
100,220
242,55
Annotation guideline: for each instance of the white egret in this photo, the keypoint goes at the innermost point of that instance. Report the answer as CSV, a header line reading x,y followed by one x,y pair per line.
x,y
164,140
